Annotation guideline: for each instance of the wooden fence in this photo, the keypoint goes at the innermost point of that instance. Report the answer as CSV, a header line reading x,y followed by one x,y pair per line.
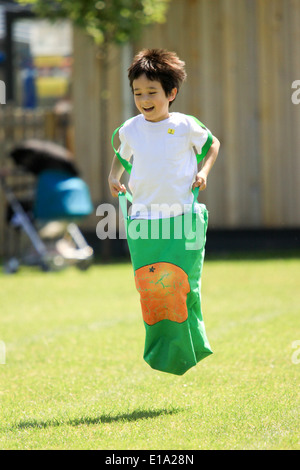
x,y
242,57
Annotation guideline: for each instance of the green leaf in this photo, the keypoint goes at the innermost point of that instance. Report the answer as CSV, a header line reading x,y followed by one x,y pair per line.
x,y
111,21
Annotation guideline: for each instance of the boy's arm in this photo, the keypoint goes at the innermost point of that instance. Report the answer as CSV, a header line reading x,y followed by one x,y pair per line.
x,y
114,177
208,162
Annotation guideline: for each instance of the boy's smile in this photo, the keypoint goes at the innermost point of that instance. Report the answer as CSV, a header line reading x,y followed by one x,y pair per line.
x,y
150,98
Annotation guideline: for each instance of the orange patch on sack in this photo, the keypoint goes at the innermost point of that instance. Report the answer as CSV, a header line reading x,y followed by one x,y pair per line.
x,y
163,288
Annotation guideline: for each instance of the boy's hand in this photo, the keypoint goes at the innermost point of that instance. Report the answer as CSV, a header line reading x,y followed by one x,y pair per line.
x,y
200,181
115,186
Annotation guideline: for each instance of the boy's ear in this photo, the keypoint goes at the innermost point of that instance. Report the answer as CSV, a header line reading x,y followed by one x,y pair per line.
x,y
172,95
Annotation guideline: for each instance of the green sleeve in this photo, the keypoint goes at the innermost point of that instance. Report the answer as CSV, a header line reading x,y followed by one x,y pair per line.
x,y
208,142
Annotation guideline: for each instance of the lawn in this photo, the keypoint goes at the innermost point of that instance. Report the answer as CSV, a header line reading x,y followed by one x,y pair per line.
x,y
74,375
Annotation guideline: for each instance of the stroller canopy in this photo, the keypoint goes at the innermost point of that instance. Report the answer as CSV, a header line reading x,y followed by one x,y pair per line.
x,y
36,156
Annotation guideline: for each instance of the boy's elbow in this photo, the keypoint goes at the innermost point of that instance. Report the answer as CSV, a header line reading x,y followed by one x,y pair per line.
x,y
216,142
216,145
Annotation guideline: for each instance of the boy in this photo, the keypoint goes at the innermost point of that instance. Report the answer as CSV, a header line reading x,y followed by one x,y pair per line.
x,y
167,270
162,143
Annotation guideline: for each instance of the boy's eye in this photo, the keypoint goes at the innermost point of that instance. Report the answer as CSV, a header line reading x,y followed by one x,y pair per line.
x,y
150,93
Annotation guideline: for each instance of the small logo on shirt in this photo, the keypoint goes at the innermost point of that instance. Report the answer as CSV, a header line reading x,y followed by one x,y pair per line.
x,y
171,131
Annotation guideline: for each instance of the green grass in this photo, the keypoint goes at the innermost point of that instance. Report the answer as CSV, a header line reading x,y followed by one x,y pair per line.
x,y
74,376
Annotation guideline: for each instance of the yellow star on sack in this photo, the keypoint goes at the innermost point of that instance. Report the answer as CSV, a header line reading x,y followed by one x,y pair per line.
x,y
171,131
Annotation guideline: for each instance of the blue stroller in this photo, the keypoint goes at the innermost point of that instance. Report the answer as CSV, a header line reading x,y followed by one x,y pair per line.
x,y
60,200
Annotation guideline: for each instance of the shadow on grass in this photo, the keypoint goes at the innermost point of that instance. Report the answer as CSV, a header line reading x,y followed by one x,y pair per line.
x,y
105,418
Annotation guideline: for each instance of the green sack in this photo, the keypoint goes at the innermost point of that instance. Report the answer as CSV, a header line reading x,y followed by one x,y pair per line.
x,y
167,257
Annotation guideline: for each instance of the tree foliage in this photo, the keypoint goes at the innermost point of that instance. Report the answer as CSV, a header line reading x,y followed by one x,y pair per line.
x,y
109,21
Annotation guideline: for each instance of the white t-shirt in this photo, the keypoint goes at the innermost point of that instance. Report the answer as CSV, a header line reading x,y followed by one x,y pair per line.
x,y
164,163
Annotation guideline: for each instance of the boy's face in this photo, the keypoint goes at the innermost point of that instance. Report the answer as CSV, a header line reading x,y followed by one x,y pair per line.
x,y
150,98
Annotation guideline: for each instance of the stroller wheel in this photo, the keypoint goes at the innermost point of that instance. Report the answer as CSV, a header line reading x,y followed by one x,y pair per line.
x,y
83,264
45,267
52,263
11,266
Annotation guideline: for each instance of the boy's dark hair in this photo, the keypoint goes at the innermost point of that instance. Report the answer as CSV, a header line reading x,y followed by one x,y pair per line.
x,y
160,65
